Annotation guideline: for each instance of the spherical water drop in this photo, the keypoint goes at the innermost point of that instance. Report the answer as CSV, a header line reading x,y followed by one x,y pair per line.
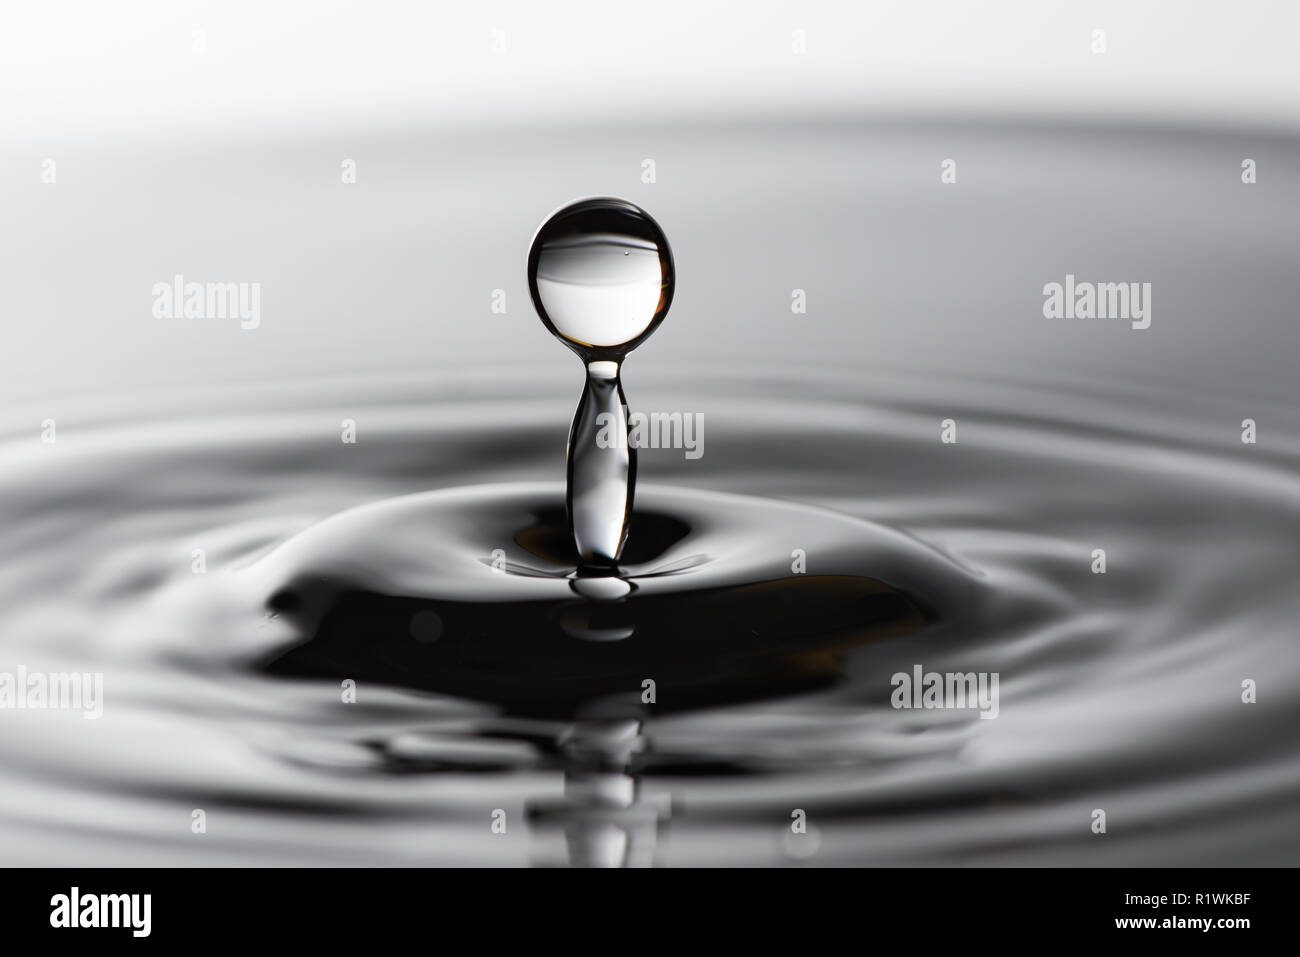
x,y
601,276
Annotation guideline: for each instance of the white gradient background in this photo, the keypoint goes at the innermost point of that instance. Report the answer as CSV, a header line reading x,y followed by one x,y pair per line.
x,y
775,172
128,69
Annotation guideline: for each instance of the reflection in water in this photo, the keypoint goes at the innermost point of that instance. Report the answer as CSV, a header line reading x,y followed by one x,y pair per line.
x,y
605,819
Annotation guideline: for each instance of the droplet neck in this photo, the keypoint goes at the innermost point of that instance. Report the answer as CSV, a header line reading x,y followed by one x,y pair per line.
x,y
601,467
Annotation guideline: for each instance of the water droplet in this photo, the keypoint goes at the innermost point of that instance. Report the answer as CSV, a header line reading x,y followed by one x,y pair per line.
x,y
601,276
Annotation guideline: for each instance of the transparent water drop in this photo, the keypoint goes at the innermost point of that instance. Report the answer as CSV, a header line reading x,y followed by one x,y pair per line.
x,y
601,277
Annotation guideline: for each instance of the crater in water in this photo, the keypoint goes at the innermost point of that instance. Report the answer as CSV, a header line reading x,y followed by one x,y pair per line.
x,y
479,593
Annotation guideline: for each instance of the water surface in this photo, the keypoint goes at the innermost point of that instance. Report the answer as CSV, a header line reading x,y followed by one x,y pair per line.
x,y
1119,691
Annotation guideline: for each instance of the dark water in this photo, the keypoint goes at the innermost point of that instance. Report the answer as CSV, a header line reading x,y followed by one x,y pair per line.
x,y
483,688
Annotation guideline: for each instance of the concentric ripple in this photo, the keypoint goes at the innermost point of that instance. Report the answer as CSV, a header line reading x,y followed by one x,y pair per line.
x,y
225,692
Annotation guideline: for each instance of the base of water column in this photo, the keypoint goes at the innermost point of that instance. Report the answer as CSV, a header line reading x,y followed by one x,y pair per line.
x,y
477,593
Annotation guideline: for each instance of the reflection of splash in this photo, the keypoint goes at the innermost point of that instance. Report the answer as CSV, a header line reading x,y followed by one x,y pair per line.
x,y
582,618
604,818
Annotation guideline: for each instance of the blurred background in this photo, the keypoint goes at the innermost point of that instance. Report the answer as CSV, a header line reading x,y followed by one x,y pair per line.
x,y
210,140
